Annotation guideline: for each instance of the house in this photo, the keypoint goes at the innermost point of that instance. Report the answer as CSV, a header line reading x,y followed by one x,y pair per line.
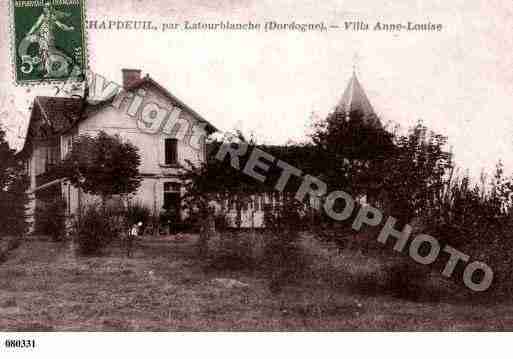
x,y
140,111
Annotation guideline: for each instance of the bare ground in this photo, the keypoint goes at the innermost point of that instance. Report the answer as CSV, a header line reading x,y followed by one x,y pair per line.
x,y
165,287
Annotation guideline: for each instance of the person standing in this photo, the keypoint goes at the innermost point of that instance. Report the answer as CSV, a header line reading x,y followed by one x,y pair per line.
x,y
132,236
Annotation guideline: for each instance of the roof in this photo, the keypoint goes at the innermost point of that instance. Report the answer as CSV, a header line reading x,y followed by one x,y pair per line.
x,y
60,112
52,115
355,99
148,80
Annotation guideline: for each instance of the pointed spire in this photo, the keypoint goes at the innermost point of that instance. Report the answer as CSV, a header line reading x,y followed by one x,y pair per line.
x,y
355,99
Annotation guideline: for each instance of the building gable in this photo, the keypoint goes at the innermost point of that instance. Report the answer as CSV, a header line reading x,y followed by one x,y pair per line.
x,y
146,91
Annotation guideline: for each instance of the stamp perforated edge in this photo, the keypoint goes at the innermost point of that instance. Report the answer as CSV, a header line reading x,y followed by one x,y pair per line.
x,y
34,83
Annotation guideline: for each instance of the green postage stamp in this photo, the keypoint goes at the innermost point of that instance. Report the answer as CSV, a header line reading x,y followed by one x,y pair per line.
x,y
47,40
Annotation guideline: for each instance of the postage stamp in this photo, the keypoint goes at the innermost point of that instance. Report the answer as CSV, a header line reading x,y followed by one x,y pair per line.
x,y
48,40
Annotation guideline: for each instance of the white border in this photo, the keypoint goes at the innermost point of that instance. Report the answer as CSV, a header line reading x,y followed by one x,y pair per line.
x,y
261,345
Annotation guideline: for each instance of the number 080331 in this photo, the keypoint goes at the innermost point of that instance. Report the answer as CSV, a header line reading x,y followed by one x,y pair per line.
x,y
20,343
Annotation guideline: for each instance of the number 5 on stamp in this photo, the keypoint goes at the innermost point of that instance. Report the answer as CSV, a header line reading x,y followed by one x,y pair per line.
x,y
47,40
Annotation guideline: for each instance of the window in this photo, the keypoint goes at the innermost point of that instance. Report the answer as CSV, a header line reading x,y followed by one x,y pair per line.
x,y
171,151
52,156
171,187
172,200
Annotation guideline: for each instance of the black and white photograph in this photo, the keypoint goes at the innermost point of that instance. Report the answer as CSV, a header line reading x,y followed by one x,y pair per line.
x,y
256,168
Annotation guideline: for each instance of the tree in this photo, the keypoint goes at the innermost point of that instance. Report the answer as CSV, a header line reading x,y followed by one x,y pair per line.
x,y
417,173
352,151
13,186
103,165
50,218
216,182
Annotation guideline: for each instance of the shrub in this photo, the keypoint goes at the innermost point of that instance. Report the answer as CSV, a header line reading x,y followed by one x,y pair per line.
x,y
13,190
13,242
233,251
50,219
7,244
400,277
189,224
137,212
221,222
168,222
280,256
283,258
407,280
477,222
95,230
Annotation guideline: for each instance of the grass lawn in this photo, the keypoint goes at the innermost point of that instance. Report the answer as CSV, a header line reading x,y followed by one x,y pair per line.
x,y
166,287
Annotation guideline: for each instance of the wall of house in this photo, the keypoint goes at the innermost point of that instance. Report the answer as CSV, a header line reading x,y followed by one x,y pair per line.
x,y
39,155
44,151
151,145
36,166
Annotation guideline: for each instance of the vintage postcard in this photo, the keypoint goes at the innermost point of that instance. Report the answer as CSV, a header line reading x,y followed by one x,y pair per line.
x,y
250,165
48,40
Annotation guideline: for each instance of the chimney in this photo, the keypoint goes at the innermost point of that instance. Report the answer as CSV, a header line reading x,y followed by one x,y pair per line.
x,y
130,76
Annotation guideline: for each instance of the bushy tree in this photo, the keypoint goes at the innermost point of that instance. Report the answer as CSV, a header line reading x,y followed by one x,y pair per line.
x,y
416,173
214,182
50,219
13,186
406,174
137,212
103,165
350,151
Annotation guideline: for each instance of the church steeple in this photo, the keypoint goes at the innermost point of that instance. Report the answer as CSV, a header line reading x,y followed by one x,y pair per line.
x,y
355,99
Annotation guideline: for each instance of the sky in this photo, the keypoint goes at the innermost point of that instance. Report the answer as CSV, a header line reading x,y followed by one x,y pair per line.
x,y
459,81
